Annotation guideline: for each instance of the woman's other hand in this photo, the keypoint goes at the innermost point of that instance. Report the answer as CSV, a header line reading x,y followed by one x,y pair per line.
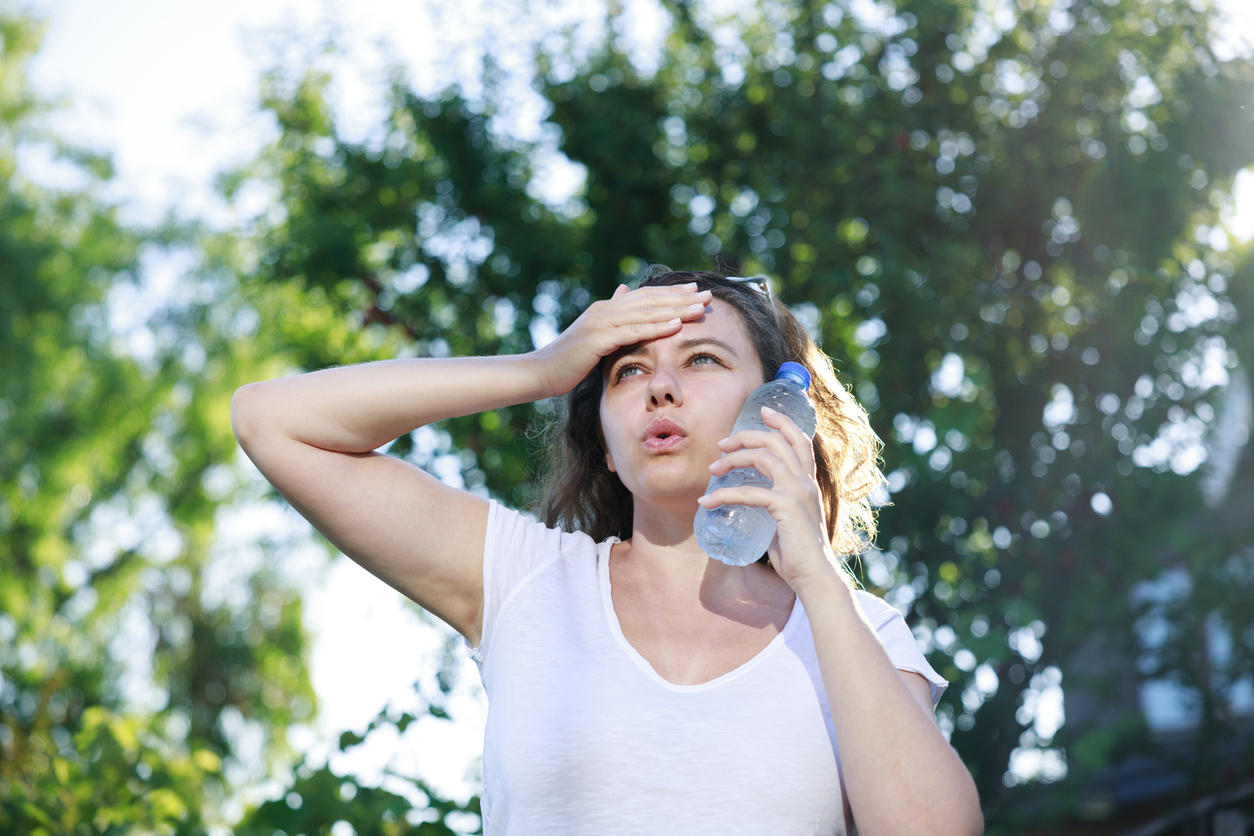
x,y
626,318
801,551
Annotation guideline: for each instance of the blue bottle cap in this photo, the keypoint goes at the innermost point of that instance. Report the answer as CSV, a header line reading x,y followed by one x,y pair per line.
x,y
794,371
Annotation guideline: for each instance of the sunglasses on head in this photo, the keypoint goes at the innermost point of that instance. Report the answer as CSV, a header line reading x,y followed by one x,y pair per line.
x,y
758,283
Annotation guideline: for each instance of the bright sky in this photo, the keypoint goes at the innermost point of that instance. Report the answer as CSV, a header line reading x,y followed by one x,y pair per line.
x,y
170,89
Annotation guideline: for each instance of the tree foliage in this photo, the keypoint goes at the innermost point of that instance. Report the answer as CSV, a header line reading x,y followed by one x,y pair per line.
x,y
999,220
123,674
1003,221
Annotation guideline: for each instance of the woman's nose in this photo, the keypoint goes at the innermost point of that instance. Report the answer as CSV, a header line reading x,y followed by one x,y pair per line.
x,y
664,389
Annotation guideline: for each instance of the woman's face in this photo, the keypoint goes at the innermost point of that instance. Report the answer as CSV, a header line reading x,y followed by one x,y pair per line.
x,y
666,403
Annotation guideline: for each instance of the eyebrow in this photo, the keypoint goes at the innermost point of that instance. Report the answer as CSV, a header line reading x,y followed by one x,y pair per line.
x,y
693,342
696,341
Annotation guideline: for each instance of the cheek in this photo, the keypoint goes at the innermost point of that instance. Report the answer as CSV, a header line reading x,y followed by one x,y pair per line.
x,y
724,405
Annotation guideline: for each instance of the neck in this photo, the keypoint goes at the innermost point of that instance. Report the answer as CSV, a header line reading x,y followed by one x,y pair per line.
x,y
663,557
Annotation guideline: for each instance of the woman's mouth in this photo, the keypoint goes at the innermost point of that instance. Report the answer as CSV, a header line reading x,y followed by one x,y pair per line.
x,y
663,434
664,442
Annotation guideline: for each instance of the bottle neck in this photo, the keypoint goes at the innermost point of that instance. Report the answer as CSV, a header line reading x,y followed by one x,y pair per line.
x,y
792,382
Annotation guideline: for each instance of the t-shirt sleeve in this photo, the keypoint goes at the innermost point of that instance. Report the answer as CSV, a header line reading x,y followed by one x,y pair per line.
x,y
899,642
515,548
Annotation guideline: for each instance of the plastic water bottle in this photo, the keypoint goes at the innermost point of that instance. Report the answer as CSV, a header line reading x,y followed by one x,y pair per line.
x,y
739,534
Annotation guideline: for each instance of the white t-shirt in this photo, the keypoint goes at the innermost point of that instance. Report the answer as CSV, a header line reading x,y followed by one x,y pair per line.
x,y
584,738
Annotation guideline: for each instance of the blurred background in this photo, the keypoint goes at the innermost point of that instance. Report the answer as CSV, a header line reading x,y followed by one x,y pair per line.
x,y
1021,228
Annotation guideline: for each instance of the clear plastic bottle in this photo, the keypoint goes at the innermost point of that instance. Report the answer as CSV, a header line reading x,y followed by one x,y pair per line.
x,y
739,534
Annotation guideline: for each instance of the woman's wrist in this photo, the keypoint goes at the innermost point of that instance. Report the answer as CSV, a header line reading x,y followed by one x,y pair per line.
x,y
828,585
535,367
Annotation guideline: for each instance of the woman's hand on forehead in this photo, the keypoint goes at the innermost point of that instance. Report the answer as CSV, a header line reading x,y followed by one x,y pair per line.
x,y
627,318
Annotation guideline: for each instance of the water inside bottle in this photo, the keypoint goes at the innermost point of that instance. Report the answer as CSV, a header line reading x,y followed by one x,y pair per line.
x,y
735,534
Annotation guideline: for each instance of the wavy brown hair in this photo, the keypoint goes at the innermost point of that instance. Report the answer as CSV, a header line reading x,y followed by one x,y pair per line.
x,y
581,493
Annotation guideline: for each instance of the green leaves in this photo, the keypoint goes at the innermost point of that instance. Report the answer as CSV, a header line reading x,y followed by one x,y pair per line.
x,y
116,774
115,667
319,801
1000,223
989,219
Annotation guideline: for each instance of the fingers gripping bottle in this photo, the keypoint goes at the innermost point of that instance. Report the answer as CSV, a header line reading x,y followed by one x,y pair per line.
x,y
738,534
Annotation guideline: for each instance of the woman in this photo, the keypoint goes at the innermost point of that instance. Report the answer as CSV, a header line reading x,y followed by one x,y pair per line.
x,y
634,685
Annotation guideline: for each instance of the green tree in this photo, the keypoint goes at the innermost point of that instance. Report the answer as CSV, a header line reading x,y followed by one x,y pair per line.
x,y
123,673
144,652
1000,222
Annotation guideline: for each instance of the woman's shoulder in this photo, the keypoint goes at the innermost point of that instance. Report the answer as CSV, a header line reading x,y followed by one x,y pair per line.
x,y
899,641
878,611
513,530
521,553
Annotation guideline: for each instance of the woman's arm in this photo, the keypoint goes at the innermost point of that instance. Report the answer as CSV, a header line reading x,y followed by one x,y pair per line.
x,y
313,435
901,775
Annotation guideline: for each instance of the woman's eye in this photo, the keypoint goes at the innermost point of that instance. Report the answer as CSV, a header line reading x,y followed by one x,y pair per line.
x,y
625,370
703,359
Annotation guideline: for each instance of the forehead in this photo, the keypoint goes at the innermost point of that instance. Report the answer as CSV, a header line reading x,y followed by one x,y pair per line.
x,y
721,326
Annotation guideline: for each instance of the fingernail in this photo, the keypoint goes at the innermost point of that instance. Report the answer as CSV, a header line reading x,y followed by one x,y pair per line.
x,y
768,409
697,306
675,321
692,285
703,501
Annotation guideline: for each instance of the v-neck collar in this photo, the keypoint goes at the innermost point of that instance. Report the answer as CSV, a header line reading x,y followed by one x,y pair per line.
x,y
611,617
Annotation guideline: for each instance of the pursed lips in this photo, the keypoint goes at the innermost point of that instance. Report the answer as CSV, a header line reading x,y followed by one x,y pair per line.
x,y
663,434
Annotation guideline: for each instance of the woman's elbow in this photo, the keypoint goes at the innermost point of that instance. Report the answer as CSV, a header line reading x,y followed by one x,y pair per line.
x,y
967,819
245,409
974,826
